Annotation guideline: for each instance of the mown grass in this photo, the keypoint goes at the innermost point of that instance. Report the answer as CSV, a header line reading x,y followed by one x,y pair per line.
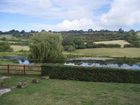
x,y
65,92
106,52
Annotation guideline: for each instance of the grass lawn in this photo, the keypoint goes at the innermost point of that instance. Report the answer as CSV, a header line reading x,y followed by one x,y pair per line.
x,y
107,52
66,92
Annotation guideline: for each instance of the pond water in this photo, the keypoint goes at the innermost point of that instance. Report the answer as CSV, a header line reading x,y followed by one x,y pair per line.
x,y
24,61
99,62
19,59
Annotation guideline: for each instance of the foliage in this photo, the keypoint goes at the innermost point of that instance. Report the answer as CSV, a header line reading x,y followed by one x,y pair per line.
x,y
133,38
90,73
5,47
46,47
4,38
128,45
106,46
79,42
69,48
89,44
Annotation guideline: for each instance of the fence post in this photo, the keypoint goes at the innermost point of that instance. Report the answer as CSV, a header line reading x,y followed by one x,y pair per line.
x,y
8,69
24,69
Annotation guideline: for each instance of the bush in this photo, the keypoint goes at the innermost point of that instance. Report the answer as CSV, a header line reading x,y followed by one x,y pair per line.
x,y
69,48
4,46
58,71
128,45
106,46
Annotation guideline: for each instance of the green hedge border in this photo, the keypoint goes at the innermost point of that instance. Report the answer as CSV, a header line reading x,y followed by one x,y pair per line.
x,y
57,71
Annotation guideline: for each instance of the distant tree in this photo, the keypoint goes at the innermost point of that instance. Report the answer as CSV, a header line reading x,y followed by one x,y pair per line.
x,y
68,41
1,32
79,43
132,31
46,47
5,47
13,31
22,32
81,31
90,30
50,31
32,31
121,30
89,44
69,48
4,38
43,30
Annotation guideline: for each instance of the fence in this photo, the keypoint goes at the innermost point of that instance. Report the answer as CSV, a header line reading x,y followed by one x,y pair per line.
x,y
20,69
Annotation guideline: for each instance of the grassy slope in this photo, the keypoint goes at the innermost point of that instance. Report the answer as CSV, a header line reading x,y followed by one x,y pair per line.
x,y
108,52
64,92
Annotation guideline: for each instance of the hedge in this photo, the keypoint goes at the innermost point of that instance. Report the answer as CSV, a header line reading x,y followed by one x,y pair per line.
x,y
57,71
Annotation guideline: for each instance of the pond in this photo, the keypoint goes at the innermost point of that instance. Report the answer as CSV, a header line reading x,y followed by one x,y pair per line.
x,y
102,62
18,59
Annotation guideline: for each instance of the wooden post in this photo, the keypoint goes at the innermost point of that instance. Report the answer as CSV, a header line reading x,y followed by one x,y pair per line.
x,y
8,69
24,69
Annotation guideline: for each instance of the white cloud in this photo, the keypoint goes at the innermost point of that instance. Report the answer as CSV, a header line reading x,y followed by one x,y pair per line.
x,y
64,9
77,14
79,24
123,13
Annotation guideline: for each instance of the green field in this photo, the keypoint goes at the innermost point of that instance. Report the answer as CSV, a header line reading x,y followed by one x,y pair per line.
x,y
66,92
107,52
13,53
20,48
120,42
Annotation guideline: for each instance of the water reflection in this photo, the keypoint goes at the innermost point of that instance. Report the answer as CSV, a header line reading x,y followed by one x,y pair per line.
x,y
117,66
24,62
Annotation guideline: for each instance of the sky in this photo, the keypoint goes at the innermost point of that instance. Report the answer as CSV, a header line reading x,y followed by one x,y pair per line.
x,y
63,15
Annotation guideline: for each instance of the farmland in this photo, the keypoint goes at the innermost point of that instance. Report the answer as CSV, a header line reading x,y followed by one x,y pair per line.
x,y
121,42
107,52
20,48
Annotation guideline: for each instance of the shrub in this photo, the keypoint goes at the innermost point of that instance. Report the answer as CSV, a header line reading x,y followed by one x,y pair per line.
x,y
128,45
4,46
69,48
58,71
106,46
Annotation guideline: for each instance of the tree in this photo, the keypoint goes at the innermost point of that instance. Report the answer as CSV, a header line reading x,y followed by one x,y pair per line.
x,y
5,47
43,30
69,48
121,30
79,42
46,47
90,30
89,44
22,32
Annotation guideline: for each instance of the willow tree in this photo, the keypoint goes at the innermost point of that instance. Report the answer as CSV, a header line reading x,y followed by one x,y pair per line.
x,y
46,47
